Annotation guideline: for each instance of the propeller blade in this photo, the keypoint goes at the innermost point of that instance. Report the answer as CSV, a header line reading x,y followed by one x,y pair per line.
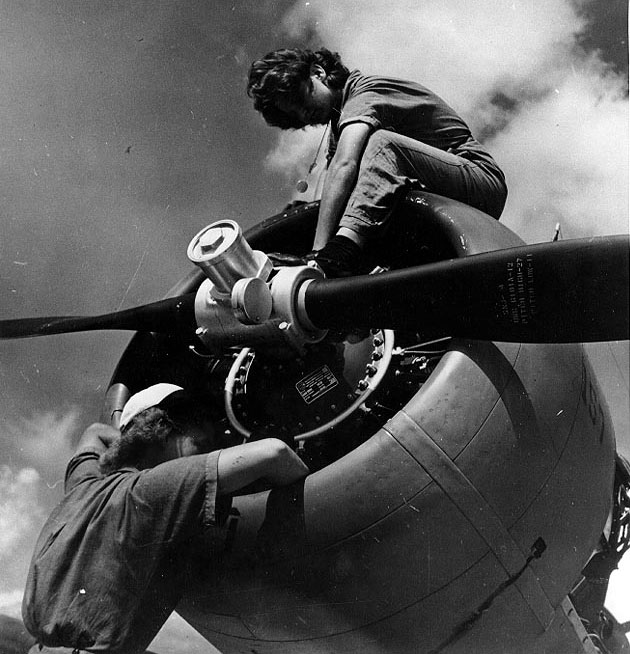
x,y
173,315
567,291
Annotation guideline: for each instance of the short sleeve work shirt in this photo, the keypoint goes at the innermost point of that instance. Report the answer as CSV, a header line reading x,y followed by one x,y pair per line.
x,y
407,108
111,561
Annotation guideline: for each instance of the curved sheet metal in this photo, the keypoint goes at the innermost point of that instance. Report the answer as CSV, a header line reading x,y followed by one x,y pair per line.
x,y
465,519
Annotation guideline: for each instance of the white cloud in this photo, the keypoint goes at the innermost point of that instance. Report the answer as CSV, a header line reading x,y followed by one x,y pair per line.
x,y
19,507
38,448
295,151
43,440
21,516
566,158
11,603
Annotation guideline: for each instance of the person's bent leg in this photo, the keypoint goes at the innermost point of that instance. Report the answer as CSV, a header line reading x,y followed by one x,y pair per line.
x,y
390,166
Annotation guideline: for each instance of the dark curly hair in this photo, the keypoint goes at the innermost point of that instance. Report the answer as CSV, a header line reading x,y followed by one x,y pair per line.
x,y
282,73
151,429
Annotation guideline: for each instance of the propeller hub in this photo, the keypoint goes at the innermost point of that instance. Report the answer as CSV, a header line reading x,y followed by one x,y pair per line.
x,y
221,251
240,303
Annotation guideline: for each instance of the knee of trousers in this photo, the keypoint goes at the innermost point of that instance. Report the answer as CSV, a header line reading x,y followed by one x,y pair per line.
x,y
380,158
379,141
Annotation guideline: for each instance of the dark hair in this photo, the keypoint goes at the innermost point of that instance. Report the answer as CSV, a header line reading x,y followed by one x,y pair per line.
x,y
151,429
282,73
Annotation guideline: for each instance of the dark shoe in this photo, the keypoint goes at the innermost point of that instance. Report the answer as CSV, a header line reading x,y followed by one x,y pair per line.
x,y
279,259
340,257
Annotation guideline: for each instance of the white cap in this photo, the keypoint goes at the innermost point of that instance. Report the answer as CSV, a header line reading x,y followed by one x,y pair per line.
x,y
145,399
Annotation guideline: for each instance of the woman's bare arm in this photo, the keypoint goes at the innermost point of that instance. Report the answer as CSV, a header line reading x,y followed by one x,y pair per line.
x,y
269,459
340,180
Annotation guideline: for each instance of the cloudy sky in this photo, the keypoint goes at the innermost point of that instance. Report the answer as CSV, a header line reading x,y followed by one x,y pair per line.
x,y
126,128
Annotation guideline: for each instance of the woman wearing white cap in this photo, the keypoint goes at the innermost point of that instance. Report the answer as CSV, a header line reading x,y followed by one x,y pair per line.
x,y
111,562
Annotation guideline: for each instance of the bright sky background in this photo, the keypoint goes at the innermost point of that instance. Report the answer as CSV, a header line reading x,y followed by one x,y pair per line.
x,y
126,128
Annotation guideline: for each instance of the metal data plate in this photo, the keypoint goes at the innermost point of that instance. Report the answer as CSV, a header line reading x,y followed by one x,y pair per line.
x,y
311,392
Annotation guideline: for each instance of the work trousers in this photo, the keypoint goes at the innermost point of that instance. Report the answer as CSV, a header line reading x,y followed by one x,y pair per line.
x,y
393,164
